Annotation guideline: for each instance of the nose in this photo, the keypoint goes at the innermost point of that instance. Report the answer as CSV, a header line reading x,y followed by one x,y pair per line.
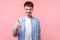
x,y
28,10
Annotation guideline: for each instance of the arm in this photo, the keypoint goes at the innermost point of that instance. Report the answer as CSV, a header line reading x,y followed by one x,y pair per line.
x,y
39,34
15,30
39,38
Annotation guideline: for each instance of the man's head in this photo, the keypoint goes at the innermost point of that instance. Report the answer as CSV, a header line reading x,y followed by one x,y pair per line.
x,y
28,6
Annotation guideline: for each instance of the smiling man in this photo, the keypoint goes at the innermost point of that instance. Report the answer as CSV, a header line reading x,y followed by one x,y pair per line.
x,y
27,27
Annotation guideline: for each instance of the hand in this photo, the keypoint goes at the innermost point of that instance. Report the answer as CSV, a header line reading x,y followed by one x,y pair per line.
x,y
18,26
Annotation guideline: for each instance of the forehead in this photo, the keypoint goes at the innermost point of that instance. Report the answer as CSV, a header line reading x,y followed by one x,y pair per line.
x,y
27,7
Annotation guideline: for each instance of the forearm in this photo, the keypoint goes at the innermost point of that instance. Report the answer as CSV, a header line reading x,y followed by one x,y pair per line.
x,y
39,38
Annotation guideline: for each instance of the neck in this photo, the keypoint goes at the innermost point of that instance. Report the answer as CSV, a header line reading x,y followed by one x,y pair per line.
x,y
29,16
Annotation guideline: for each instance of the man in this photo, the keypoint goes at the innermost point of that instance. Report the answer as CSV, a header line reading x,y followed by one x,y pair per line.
x,y
27,27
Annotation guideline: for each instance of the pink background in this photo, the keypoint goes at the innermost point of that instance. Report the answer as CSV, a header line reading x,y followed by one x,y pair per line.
x,y
47,11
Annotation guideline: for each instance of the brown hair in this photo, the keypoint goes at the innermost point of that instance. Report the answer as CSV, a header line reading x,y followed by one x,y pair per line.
x,y
28,3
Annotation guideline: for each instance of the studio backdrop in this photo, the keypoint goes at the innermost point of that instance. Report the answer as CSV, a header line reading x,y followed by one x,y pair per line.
x,y
47,11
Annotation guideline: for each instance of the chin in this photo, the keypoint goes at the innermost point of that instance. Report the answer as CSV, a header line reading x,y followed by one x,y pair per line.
x,y
29,15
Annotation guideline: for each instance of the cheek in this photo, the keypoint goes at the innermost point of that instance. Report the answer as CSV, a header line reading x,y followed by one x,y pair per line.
x,y
26,11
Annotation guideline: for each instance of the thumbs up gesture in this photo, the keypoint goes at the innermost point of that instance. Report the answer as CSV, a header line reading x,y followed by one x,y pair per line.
x,y
18,26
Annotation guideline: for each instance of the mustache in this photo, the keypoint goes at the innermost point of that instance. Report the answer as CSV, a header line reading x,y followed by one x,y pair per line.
x,y
28,12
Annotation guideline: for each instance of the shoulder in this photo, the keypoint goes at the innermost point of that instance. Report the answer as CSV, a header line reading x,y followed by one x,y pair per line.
x,y
35,19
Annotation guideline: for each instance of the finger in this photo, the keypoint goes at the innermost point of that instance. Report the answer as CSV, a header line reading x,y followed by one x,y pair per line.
x,y
18,21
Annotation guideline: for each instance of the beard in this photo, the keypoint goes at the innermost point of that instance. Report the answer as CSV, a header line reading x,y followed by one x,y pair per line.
x,y
29,13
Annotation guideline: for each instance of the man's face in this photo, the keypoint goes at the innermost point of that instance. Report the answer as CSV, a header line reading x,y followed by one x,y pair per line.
x,y
28,10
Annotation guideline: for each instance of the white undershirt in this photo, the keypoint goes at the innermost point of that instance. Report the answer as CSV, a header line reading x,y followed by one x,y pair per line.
x,y
28,34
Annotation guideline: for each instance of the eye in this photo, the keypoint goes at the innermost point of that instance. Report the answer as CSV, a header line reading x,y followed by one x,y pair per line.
x,y
30,9
26,9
